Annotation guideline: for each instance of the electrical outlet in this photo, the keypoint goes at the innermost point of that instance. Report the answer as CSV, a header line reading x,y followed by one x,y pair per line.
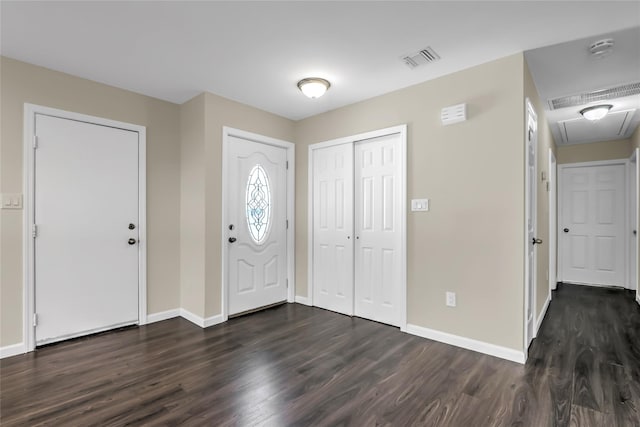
x,y
451,299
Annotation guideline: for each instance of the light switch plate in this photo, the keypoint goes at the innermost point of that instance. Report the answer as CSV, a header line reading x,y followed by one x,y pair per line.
x,y
419,205
11,201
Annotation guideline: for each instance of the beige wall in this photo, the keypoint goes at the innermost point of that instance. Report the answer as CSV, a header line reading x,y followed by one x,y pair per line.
x,y
545,142
192,211
202,120
472,240
607,150
20,83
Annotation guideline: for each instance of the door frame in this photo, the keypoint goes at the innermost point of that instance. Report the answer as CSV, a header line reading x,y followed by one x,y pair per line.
x,y
402,130
227,133
634,197
530,111
553,222
561,168
28,217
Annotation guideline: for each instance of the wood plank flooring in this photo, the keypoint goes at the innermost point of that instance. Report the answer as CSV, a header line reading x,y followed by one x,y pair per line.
x,y
299,366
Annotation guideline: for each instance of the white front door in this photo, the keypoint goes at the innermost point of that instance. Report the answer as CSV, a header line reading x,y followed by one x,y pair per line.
x,y
257,230
593,224
86,213
333,228
378,225
531,203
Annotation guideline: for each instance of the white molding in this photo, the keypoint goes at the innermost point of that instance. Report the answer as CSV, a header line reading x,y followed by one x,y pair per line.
x,y
468,343
291,207
530,112
163,315
12,350
638,299
402,131
303,300
553,221
202,322
28,284
543,313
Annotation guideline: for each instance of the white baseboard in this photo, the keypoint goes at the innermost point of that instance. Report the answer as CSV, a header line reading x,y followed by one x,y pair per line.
x,y
303,300
12,350
543,313
468,343
202,322
638,299
163,315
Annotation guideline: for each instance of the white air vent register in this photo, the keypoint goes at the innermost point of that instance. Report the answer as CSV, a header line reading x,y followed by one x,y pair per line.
x,y
453,114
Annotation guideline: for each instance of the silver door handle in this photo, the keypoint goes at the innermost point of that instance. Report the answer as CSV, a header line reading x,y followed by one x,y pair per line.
x,y
536,241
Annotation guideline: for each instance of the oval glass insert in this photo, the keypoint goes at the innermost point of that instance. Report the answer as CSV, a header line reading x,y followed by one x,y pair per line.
x,y
258,204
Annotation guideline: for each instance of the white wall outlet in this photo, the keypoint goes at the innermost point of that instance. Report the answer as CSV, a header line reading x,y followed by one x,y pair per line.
x,y
11,201
419,205
451,299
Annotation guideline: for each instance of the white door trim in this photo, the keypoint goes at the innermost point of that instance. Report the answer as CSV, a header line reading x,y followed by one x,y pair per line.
x,y
228,132
553,222
529,110
634,175
561,168
28,286
402,130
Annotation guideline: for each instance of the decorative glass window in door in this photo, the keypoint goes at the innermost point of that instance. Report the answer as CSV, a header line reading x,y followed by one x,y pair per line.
x,y
258,204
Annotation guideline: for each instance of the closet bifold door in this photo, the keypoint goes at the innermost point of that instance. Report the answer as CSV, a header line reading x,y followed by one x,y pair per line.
x,y
378,228
333,228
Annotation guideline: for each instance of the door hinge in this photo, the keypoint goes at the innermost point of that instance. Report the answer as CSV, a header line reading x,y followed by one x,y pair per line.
x,y
35,142
287,283
35,319
287,224
34,230
287,163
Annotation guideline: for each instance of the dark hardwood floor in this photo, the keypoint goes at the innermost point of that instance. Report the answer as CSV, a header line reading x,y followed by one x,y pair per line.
x,y
298,366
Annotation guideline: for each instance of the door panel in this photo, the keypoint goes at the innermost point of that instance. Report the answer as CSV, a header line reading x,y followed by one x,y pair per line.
x,y
593,213
86,195
257,214
531,203
378,229
333,228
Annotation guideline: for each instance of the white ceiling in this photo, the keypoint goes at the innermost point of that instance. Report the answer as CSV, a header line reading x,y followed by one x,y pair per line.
x,y
255,52
568,69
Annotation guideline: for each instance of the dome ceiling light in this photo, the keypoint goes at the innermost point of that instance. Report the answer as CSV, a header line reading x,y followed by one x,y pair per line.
x,y
596,112
313,87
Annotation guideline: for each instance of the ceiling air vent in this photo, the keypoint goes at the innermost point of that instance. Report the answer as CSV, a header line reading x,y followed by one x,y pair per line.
x,y
595,96
601,48
424,56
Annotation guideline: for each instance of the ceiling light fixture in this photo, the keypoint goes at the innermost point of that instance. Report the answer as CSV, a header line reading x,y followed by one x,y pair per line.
x,y
596,112
313,87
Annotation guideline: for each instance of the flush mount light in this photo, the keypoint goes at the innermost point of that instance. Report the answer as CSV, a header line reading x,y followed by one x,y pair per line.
x,y
313,87
596,112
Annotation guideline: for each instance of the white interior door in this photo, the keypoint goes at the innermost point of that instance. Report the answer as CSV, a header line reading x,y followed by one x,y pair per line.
x,y
257,230
86,197
593,224
553,221
378,225
333,228
633,222
531,211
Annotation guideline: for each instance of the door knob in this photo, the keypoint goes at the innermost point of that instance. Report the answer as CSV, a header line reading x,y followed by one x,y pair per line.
x,y
232,239
132,226
536,241
132,241
566,230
